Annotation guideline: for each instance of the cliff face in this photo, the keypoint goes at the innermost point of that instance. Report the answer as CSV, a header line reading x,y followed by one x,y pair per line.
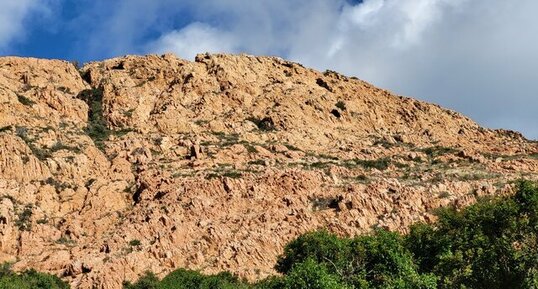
x,y
153,163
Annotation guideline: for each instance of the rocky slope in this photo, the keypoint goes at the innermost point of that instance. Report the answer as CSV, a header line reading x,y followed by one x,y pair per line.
x,y
153,163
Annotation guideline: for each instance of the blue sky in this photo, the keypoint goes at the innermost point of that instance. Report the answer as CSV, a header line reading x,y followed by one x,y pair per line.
x,y
475,56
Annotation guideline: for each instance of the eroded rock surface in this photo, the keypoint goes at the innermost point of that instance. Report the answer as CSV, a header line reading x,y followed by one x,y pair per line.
x,y
154,163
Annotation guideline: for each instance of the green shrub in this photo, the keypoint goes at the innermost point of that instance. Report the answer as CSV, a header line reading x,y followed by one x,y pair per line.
x,y
97,128
341,105
380,164
319,246
324,203
148,281
492,244
25,100
436,151
29,279
187,279
24,222
182,279
311,274
58,146
135,242
272,282
382,261
376,261
6,128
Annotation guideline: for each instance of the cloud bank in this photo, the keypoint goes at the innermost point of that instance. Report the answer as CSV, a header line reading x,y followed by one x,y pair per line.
x,y
475,56
14,13
193,39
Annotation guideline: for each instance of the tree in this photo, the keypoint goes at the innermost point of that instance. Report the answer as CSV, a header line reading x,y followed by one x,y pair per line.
x,y
492,244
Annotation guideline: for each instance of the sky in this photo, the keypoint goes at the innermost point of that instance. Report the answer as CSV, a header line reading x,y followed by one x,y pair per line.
x,y
478,57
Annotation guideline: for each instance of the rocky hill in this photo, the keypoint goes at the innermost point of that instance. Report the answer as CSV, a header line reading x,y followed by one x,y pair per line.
x,y
153,163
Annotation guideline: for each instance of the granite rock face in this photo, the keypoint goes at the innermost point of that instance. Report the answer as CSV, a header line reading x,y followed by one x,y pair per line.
x,y
153,163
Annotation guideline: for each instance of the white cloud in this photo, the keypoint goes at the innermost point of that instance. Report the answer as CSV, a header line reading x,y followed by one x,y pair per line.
x,y
193,39
12,16
475,56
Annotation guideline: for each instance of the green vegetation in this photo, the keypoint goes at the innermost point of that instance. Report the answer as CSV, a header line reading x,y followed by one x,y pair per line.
x,y
341,105
41,154
58,146
436,151
97,128
59,186
379,164
291,147
28,280
24,222
227,140
379,260
250,148
361,179
65,241
384,143
224,170
134,243
257,162
25,100
491,245
233,174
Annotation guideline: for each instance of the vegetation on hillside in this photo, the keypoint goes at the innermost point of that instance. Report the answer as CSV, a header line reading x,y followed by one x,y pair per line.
x,y
29,279
492,244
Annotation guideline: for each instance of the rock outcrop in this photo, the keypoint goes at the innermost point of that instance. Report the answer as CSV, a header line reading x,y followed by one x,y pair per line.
x,y
153,163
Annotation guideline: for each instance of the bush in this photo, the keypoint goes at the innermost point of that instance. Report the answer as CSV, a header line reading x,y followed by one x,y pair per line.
x,y
148,281
436,151
320,246
271,283
25,100
24,221
187,279
376,261
492,244
29,280
341,105
134,243
311,274
182,279
382,261
380,164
